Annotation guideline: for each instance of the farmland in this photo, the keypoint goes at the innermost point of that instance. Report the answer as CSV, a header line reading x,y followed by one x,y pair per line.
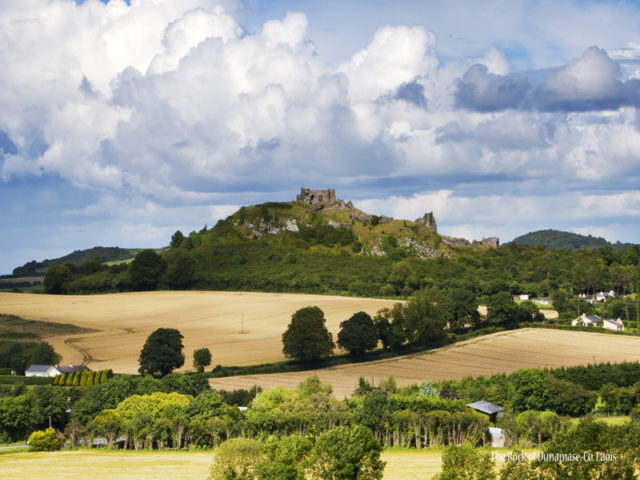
x,y
501,352
239,328
181,465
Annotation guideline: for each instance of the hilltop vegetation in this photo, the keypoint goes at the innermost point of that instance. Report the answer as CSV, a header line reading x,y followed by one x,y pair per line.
x,y
104,254
553,239
289,247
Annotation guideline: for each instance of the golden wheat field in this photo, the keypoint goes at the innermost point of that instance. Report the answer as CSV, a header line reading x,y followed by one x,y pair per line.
x,y
240,328
499,352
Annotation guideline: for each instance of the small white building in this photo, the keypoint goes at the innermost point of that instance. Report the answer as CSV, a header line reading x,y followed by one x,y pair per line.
x,y
42,371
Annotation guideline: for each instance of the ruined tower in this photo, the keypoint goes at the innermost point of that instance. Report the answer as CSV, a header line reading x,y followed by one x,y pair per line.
x,y
429,221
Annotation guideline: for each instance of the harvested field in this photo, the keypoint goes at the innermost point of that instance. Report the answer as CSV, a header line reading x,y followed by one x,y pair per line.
x,y
499,352
206,319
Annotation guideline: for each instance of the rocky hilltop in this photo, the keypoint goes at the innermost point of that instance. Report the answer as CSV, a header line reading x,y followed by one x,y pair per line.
x,y
320,199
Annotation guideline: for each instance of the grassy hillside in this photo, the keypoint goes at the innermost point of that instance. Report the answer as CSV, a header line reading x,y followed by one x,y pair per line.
x,y
104,254
337,249
553,239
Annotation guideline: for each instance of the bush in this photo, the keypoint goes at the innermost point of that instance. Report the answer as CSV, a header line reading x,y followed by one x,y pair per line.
x,y
343,453
237,458
465,462
44,441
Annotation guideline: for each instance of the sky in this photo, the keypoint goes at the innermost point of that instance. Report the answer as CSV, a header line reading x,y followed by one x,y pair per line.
x,y
122,122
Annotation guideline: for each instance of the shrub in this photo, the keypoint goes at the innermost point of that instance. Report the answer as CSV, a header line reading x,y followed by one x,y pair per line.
x,y
237,458
343,453
44,441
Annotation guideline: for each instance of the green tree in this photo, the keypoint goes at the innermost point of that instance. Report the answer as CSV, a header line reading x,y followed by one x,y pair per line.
x,y
383,326
201,358
286,459
358,334
237,459
176,239
180,270
307,338
162,352
502,310
528,390
146,269
44,354
466,463
108,424
57,278
424,322
44,441
347,453
461,308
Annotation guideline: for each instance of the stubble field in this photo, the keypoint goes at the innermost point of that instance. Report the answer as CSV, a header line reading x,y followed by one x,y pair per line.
x,y
240,328
500,352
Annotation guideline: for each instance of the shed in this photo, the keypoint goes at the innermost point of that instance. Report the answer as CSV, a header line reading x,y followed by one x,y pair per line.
x,y
487,408
498,437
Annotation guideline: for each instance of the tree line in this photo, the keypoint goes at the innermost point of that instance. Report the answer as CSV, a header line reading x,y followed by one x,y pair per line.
x,y
290,262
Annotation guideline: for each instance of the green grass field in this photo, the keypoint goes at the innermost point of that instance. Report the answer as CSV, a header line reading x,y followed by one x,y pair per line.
x,y
402,464
151,465
612,420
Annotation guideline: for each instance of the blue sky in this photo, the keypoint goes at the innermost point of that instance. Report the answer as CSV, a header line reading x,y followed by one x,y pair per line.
x,y
123,122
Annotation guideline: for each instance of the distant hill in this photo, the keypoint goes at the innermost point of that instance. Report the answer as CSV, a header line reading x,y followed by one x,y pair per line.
x,y
553,239
105,254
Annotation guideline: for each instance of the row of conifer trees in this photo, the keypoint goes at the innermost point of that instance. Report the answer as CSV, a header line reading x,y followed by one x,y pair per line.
x,y
84,378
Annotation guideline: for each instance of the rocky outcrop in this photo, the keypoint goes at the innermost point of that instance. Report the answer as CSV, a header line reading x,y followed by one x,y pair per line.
x,y
420,250
366,218
493,242
429,221
271,227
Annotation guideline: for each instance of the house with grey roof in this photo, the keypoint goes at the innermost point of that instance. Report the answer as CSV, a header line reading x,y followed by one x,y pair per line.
x,y
585,320
72,368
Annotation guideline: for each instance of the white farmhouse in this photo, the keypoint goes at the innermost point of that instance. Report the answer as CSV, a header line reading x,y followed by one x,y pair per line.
x,y
42,371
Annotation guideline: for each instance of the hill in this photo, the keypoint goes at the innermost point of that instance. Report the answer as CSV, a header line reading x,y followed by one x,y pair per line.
x,y
322,245
77,257
553,239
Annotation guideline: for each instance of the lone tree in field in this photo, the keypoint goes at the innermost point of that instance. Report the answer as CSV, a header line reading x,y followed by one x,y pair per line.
x,y
162,352
358,334
307,338
201,358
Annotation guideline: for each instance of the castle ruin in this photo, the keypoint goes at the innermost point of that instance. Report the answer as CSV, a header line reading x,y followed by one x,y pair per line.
x,y
321,198
314,197
429,221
